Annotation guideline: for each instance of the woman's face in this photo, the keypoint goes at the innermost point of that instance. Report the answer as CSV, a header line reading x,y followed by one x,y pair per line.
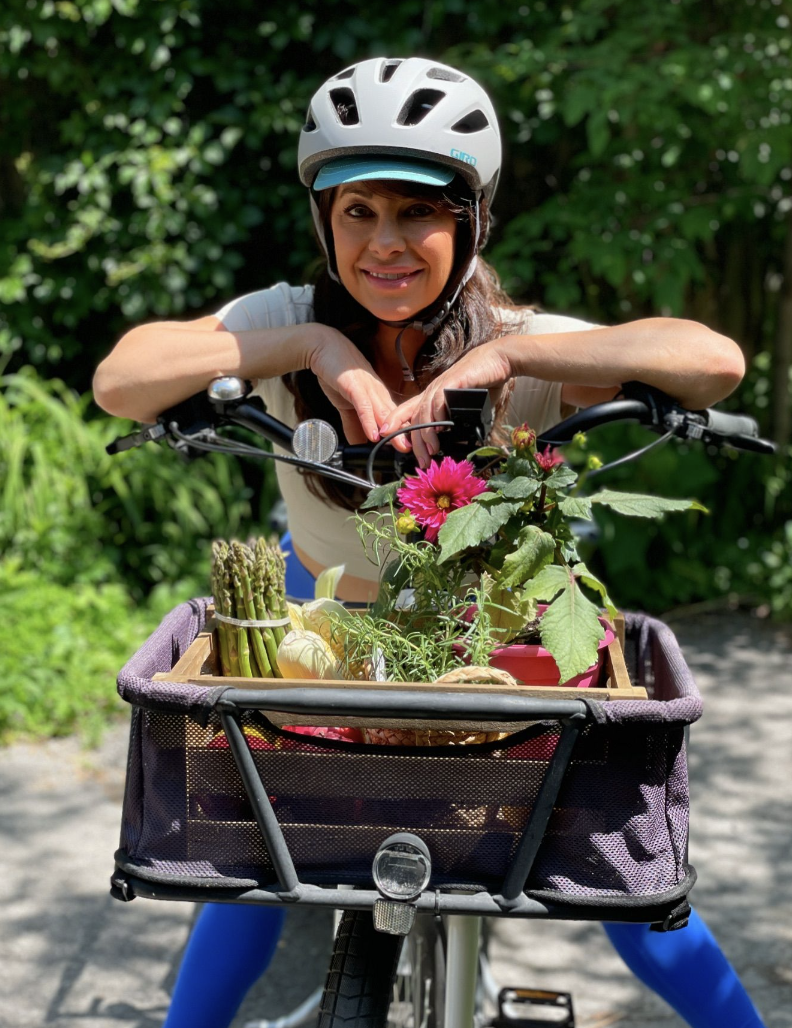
x,y
394,253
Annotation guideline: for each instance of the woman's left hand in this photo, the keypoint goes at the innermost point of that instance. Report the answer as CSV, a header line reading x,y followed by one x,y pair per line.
x,y
485,367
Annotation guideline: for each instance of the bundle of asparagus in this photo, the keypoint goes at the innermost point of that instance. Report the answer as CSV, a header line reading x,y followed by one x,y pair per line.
x,y
248,583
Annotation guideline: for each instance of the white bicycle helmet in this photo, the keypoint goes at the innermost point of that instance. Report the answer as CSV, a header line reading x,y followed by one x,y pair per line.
x,y
413,108
411,120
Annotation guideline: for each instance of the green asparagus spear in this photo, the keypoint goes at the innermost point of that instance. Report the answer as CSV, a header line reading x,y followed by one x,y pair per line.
x,y
218,589
278,588
243,647
242,559
264,611
227,607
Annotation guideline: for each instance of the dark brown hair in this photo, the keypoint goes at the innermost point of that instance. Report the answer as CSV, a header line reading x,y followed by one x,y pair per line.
x,y
472,320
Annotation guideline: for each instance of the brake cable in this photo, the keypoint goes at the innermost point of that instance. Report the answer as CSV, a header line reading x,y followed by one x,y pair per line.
x,y
238,449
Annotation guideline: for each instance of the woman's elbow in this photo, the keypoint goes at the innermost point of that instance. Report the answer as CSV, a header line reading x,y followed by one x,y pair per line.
x,y
727,368
109,394
104,394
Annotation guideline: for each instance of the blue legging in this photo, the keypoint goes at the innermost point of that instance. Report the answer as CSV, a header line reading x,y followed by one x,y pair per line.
x,y
231,945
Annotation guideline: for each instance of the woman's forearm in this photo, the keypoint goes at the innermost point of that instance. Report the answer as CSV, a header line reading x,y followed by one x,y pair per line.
x,y
156,366
687,360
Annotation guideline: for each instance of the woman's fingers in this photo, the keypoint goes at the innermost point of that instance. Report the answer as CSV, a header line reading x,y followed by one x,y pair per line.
x,y
353,430
427,406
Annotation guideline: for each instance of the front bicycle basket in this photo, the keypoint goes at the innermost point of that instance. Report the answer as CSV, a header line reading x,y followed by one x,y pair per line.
x,y
618,827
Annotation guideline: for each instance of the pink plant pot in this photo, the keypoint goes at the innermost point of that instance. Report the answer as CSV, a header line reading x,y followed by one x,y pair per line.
x,y
534,665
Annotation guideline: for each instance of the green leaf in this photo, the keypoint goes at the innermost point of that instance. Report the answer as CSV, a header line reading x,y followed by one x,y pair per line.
x,y
517,467
561,478
327,582
575,507
571,630
548,583
638,505
508,611
535,549
587,578
381,495
471,525
487,451
395,577
521,488
598,132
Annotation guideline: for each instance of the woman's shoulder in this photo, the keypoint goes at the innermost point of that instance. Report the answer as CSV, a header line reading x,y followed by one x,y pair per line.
x,y
529,321
276,307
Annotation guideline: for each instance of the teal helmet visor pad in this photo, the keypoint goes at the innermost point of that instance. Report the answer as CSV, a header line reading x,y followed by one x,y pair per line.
x,y
343,170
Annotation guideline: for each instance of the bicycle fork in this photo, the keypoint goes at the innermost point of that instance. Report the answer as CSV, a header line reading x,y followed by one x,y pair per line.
x,y
463,936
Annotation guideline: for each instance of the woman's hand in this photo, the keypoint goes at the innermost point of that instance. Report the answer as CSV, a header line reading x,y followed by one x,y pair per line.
x,y
351,385
485,367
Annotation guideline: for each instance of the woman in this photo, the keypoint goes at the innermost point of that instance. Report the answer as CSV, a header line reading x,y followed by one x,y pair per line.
x,y
402,160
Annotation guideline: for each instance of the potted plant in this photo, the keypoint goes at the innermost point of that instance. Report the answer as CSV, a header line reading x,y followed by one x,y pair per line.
x,y
485,550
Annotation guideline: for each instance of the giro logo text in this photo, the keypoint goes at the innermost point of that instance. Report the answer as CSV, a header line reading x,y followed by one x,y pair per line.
x,y
460,155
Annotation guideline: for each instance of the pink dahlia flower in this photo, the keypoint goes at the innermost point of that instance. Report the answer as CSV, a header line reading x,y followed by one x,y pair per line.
x,y
548,460
434,493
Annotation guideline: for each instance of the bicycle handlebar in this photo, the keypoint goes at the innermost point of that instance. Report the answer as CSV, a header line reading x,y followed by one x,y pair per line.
x,y
190,427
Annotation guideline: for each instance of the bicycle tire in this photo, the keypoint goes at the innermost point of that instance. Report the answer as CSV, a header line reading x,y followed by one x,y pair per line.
x,y
381,981
360,978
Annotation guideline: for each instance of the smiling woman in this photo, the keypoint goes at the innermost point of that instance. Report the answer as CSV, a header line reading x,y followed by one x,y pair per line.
x,y
401,160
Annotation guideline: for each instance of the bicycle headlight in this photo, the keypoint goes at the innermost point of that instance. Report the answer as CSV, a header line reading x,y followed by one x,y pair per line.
x,y
402,867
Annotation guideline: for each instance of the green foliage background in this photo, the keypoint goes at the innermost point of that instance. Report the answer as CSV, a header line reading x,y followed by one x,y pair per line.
x,y
147,171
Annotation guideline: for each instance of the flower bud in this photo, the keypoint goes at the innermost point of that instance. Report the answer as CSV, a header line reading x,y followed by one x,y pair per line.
x,y
406,523
593,462
523,438
579,439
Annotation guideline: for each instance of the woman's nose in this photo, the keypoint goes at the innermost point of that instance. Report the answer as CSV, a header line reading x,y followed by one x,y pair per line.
x,y
386,237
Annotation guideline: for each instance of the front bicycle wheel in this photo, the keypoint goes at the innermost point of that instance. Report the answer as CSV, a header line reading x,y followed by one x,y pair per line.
x,y
381,981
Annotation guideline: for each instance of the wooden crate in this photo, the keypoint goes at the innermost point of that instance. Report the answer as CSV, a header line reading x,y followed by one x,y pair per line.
x,y
200,665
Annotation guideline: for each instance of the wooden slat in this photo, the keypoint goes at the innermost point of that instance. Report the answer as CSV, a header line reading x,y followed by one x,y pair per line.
x,y
197,665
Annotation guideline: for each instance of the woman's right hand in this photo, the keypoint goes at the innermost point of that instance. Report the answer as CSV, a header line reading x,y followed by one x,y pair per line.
x,y
350,383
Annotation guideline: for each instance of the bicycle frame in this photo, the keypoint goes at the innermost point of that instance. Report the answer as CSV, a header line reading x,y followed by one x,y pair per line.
x,y
462,964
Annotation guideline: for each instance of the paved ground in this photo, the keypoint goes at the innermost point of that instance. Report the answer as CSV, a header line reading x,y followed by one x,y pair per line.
x,y
71,956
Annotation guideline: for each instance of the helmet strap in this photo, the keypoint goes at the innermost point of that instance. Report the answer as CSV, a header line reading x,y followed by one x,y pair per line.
x,y
331,271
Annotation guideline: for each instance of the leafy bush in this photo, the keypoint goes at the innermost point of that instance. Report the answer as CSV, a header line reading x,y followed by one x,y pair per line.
x,y
63,647
742,546
76,515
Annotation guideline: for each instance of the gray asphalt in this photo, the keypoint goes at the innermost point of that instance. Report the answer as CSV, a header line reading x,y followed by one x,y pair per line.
x,y
72,956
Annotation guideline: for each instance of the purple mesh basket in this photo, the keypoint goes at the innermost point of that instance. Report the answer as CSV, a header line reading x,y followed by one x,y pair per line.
x,y
617,834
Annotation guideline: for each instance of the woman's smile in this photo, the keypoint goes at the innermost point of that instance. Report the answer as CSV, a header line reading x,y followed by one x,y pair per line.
x,y
391,279
394,253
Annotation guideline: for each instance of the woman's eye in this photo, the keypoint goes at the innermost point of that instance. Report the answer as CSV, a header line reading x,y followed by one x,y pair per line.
x,y
357,210
421,211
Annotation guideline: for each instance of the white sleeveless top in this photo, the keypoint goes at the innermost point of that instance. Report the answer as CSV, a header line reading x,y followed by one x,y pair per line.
x,y
326,532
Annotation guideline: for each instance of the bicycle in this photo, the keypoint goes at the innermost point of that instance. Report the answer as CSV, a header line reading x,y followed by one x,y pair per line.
x,y
407,952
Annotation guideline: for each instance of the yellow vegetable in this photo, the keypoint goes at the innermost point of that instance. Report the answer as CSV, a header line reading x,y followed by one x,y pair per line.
x,y
304,654
295,615
323,617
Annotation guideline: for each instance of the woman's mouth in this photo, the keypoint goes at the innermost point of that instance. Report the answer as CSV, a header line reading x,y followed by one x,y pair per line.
x,y
391,279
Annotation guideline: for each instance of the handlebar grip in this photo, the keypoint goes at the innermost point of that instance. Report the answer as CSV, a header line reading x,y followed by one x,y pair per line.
x,y
748,442
731,424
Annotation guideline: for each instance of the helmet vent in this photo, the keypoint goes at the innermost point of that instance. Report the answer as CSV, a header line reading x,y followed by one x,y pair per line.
x,y
388,69
310,121
445,75
347,73
473,122
419,105
345,106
